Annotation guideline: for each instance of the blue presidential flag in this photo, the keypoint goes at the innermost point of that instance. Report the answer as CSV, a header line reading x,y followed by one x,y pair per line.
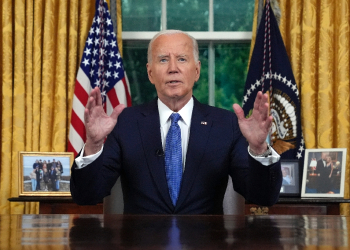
x,y
270,71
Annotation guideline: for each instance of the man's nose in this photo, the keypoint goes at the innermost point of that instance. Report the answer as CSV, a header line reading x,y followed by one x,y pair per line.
x,y
173,66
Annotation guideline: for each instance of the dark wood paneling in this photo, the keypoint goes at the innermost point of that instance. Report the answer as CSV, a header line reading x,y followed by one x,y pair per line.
x,y
299,206
69,208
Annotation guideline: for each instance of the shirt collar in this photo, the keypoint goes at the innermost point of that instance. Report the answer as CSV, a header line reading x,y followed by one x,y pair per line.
x,y
185,112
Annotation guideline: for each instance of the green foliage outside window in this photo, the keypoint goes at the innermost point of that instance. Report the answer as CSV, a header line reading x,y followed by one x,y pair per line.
x,y
231,67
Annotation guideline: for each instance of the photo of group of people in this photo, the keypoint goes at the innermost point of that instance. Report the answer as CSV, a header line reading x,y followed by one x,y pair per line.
x,y
45,173
324,173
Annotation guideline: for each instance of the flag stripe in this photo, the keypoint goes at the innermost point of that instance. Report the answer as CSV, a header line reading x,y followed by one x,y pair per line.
x,y
121,93
79,108
80,93
78,125
112,97
76,140
70,148
127,90
83,78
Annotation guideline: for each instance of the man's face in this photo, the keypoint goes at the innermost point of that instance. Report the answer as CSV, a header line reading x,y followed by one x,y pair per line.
x,y
173,69
324,155
284,172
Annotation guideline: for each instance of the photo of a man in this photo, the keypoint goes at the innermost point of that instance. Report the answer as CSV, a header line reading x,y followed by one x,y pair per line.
x,y
287,177
290,178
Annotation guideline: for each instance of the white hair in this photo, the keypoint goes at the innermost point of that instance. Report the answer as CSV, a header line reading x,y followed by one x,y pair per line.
x,y
171,32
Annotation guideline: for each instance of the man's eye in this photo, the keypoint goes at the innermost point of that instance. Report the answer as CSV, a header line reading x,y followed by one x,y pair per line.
x,y
163,60
182,59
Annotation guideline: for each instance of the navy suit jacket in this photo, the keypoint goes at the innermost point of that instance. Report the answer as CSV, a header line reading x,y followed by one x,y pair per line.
x,y
216,149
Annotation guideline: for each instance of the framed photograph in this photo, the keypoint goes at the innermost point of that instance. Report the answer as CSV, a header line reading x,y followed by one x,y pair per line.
x,y
44,173
291,178
324,172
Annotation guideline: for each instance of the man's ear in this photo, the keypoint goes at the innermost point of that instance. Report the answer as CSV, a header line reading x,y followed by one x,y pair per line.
x,y
149,72
198,70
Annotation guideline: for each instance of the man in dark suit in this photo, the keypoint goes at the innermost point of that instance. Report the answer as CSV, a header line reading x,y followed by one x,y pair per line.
x,y
214,143
323,172
53,177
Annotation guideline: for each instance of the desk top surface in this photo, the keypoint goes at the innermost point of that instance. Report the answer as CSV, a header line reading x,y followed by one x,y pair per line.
x,y
173,232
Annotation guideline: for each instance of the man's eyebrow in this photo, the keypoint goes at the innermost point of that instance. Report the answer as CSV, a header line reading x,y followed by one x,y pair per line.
x,y
162,56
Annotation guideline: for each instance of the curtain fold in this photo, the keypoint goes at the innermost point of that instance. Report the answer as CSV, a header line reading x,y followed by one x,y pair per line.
x,y
41,43
316,36
6,104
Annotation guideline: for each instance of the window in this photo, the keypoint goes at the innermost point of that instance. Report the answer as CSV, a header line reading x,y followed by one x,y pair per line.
x,y
222,29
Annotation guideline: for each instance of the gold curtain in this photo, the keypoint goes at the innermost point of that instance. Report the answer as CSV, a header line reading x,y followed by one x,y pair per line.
x,y
41,45
316,36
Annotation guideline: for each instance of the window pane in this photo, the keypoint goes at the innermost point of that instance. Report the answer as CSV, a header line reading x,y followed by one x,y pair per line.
x,y
233,15
188,15
141,15
231,67
200,88
135,60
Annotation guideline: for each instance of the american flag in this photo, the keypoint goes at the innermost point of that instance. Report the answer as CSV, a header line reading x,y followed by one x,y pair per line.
x,y
101,66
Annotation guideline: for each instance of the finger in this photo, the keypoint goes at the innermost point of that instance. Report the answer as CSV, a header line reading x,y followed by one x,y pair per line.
x,y
86,115
264,111
98,96
91,103
268,123
239,111
117,110
261,105
92,99
257,101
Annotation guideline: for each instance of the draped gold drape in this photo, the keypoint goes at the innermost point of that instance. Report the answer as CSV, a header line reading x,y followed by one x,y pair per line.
x,y
41,45
317,39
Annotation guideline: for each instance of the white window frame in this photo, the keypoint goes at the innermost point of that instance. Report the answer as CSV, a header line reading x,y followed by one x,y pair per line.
x,y
209,36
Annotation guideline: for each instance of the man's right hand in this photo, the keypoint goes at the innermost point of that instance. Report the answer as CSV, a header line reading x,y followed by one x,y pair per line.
x,y
97,123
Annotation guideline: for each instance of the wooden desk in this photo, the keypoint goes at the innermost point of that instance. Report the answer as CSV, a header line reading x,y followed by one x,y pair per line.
x,y
173,232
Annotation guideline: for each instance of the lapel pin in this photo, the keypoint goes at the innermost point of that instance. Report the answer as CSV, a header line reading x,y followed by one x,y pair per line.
x,y
204,123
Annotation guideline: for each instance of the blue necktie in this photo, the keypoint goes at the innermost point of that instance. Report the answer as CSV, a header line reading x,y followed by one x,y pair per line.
x,y
173,158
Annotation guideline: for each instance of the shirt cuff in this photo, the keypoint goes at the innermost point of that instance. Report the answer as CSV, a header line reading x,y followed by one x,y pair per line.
x,y
266,161
83,161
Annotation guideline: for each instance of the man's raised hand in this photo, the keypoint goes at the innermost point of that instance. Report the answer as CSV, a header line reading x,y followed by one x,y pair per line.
x,y
97,123
256,128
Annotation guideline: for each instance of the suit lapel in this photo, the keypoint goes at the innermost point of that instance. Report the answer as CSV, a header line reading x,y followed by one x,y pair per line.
x,y
149,126
199,134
